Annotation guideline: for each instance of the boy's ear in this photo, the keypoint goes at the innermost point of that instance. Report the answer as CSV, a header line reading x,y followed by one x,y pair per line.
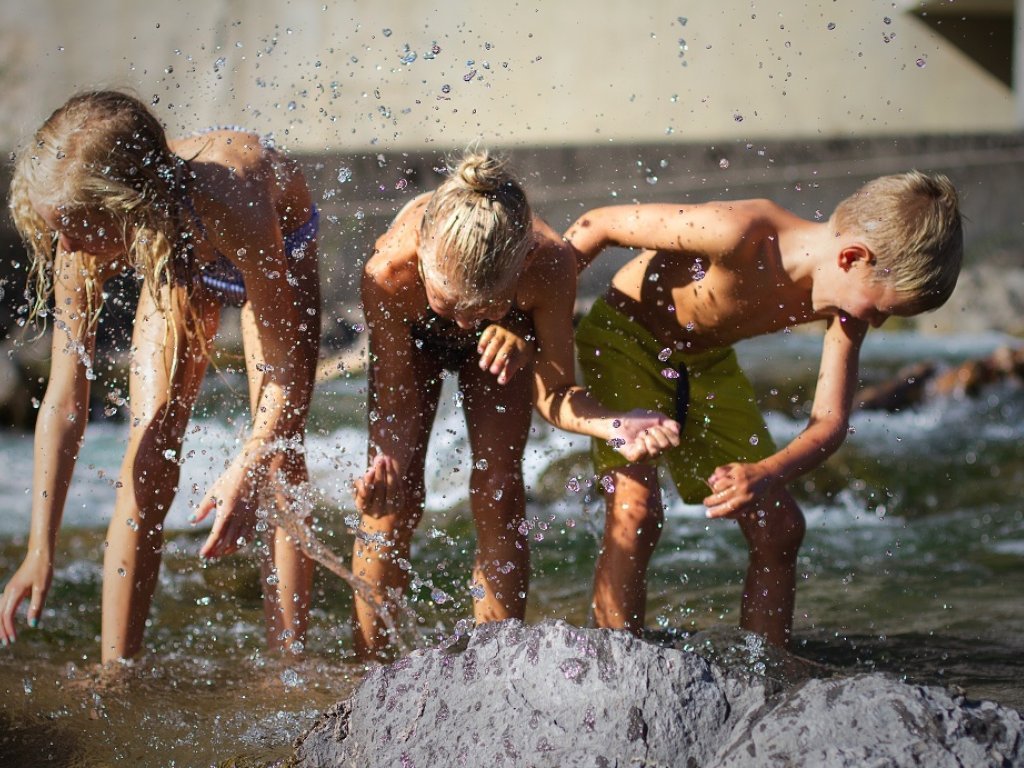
x,y
853,253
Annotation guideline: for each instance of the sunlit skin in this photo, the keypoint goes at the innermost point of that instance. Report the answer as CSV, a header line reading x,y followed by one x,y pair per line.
x,y
247,197
762,269
404,389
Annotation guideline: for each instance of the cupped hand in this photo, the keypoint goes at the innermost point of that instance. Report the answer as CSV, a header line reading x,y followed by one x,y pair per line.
x,y
234,500
503,353
380,491
736,488
642,434
32,580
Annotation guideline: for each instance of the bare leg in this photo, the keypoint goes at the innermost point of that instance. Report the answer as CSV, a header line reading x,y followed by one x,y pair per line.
x,y
382,543
160,409
632,527
287,572
769,591
499,424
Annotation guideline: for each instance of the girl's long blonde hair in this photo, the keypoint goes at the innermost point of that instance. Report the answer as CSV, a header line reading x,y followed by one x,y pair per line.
x,y
476,229
102,151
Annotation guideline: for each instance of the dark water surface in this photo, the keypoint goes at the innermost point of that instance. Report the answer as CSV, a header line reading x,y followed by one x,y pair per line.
x,y
913,565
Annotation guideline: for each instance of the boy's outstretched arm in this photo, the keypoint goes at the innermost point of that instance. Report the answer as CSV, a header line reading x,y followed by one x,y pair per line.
x,y
737,487
703,228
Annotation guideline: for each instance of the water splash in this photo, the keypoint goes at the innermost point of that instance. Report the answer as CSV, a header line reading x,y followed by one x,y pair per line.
x,y
291,507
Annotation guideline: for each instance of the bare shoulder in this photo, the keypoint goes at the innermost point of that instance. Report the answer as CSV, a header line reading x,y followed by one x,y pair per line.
x,y
550,271
392,268
241,150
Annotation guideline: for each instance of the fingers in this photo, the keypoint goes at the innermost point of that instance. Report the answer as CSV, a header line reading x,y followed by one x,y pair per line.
x,y
488,347
228,528
497,355
212,547
729,497
35,608
207,505
9,603
380,490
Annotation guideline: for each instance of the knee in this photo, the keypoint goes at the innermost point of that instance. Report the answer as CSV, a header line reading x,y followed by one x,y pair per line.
x,y
634,522
496,485
777,529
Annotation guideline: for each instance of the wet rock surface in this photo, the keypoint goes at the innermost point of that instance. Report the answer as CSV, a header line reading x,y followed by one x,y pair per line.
x,y
558,695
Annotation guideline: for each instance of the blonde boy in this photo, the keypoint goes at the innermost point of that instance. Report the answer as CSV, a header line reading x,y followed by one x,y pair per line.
x,y
661,338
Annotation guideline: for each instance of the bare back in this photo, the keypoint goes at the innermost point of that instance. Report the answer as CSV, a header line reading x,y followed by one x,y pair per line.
x,y
717,277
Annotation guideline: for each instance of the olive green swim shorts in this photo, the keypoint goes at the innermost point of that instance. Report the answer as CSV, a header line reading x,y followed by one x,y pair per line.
x,y
625,367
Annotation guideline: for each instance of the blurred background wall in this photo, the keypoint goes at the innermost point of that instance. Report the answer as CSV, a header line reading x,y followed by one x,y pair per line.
x,y
406,74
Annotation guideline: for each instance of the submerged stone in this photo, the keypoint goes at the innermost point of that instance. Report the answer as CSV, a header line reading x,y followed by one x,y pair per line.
x,y
558,695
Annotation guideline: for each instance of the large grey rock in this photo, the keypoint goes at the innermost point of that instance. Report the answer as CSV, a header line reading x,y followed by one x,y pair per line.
x,y
557,695
874,721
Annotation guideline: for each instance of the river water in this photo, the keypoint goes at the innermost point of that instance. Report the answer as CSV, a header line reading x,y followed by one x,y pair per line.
x,y
913,564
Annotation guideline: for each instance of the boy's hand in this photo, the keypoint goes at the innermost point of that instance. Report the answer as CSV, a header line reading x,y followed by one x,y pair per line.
x,y
31,580
642,434
503,352
735,489
380,490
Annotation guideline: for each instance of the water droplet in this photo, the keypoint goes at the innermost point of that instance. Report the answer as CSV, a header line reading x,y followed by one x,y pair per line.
x,y
386,32
572,485
608,484
921,63
754,440
438,596
670,373
122,572
723,163
831,25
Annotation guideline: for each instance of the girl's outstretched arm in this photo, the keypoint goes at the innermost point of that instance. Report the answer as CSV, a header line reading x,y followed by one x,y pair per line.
x,y
550,288
278,352
60,426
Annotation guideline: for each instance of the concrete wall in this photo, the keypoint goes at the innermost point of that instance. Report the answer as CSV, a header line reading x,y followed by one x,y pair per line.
x,y
358,76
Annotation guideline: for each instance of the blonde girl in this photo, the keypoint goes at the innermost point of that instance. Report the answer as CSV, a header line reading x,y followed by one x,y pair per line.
x,y
462,277
214,218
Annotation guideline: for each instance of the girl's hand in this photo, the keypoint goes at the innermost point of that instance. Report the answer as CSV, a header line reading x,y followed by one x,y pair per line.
x,y
379,491
234,498
503,352
736,489
31,580
642,434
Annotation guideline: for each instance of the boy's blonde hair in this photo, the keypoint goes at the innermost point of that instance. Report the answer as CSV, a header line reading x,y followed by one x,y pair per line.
x,y
475,232
911,222
102,150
